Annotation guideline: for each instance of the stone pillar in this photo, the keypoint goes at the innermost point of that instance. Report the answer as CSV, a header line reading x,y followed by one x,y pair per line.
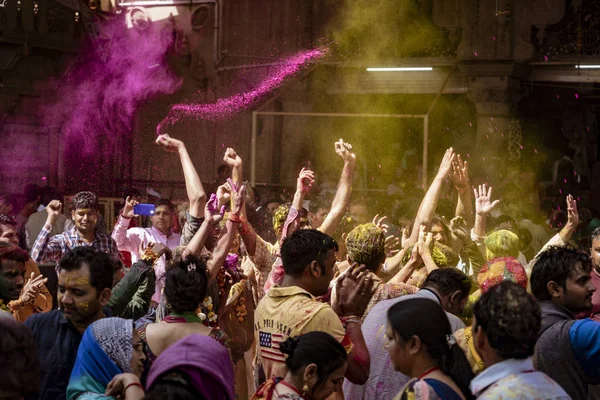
x,y
494,99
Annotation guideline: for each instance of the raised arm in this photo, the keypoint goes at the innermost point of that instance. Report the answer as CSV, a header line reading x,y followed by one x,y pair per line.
x,y
304,184
193,184
46,248
483,207
127,239
229,232
341,201
213,214
429,203
234,161
460,178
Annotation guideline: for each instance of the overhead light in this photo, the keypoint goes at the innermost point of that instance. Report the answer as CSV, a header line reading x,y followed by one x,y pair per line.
x,y
399,69
588,66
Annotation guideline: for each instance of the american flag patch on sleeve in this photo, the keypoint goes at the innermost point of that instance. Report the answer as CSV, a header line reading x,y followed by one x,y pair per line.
x,y
269,346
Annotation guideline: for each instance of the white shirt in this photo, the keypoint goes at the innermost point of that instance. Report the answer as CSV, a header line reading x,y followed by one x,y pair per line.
x,y
135,240
516,379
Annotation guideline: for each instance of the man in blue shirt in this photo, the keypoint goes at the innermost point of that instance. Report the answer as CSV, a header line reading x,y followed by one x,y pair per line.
x,y
84,288
568,350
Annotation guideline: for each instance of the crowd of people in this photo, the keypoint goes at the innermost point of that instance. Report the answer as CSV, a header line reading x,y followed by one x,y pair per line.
x,y
235,297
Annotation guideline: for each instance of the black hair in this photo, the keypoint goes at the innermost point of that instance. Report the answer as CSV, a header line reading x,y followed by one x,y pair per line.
x,y
426,319
101,265
85,200
186,284
173,385
510,318
165,202
594,235
6,220
556,264
304,246
316,347
449,280
437,220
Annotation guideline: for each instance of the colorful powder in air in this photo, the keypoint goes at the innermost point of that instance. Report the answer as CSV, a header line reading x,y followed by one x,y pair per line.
x,y
232,105
100,92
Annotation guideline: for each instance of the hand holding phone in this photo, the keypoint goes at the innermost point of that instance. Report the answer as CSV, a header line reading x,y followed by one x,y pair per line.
x,y
144,209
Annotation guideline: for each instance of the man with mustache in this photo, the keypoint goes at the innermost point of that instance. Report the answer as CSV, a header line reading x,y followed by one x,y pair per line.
x,y
136,240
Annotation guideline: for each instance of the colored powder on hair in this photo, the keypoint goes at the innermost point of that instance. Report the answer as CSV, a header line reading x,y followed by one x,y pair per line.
x,y
227,107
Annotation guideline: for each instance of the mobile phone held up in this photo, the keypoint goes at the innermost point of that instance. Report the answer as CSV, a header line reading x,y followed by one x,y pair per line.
x,y
144,209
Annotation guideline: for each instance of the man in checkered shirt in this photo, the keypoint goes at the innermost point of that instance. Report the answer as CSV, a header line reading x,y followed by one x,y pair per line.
x,y
85,212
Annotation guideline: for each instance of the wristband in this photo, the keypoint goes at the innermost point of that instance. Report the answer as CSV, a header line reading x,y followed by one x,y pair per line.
x,y
461,190
149,256
133,384
350,319
235,218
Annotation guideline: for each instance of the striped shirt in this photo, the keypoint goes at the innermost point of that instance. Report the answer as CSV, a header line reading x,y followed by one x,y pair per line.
x,y
48,248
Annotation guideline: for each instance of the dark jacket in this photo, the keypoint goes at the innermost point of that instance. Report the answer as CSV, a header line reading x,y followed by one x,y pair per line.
x,y
130,298
554,354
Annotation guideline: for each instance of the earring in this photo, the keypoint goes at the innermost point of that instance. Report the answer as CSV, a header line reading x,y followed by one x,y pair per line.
x,y
305,389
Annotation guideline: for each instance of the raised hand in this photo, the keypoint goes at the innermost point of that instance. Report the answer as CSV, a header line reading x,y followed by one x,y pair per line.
x,y
32,288
128,208
354,290
345,151
573,214
458,228
379,223
160,249
306,180
391,244
446,164
214,210
53,209
425,242
223,195
460,173
483,203
405,242
168,143
231,158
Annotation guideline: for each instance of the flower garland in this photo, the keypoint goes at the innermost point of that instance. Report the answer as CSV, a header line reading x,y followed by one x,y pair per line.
x,y
232,267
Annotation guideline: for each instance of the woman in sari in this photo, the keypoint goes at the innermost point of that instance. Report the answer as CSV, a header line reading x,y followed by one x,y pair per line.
x,y
421,346
316,365
109,347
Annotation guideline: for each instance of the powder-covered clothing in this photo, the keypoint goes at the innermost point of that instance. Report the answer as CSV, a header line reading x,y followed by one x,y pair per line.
x,y
568,350
48,248
384,381
135,240
289,311
516,379
383,291
427,389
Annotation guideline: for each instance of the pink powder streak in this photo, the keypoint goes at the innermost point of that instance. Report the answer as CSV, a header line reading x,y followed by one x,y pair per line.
x,y
232,105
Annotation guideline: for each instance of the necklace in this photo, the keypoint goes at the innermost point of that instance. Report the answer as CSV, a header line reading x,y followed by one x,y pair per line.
x,y
430,370
289,386
182,318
